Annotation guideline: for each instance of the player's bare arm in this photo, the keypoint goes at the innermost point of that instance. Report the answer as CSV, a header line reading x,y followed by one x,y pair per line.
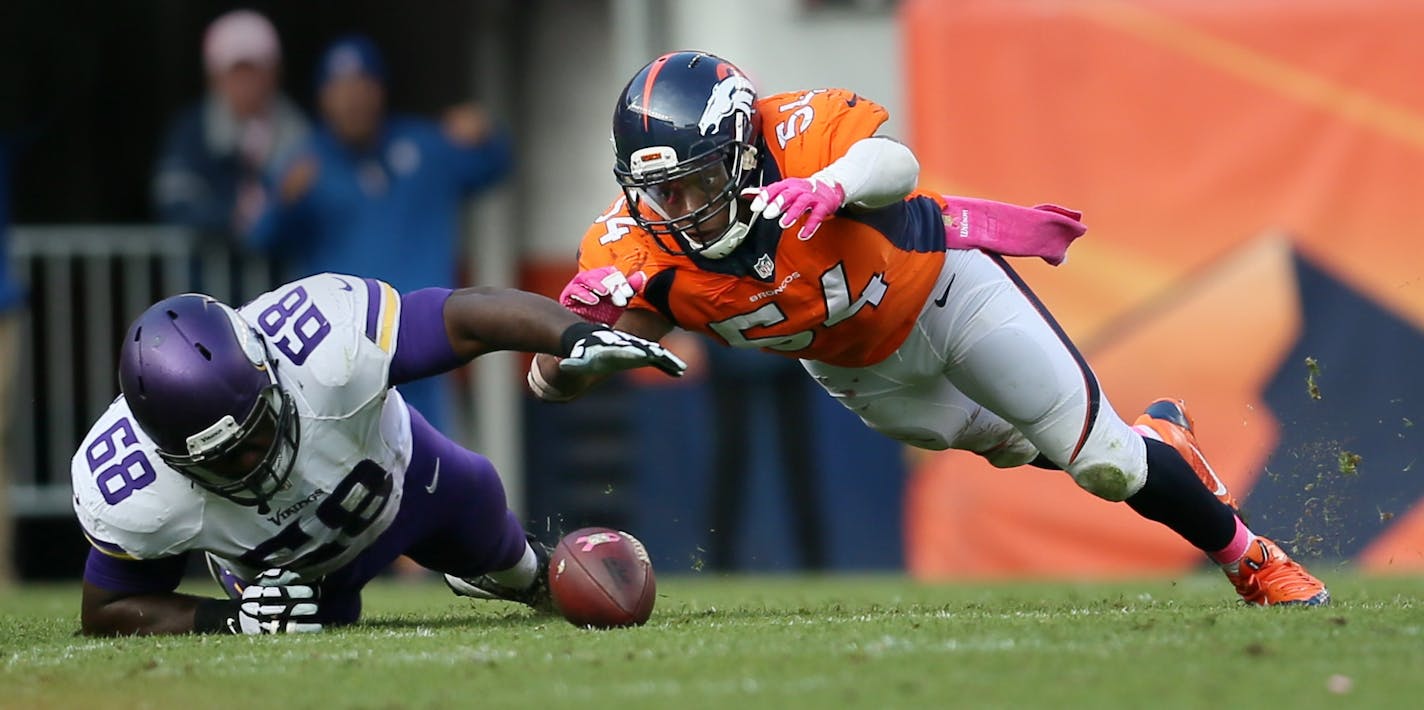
x,y
276,602
107,613
480,320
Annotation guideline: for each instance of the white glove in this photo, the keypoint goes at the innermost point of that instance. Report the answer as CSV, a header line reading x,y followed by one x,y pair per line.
x,y
275,604
596,350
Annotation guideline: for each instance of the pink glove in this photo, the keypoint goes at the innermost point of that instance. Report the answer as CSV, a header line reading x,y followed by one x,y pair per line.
x,y
818,198
600,295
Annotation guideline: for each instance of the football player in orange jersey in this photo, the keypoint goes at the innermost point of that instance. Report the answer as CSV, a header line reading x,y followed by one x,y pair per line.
x,y
786,223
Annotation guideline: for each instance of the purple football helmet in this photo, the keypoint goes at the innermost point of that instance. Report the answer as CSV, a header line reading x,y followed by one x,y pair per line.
x,y
200,384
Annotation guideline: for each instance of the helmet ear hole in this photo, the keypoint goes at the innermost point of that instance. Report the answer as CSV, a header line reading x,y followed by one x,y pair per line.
x,y
749,158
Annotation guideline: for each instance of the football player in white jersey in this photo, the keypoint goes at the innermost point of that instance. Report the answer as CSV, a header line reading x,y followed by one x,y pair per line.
x,y
272,439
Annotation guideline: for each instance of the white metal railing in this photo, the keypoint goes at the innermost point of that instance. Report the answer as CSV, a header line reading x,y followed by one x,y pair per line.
x,y
85,284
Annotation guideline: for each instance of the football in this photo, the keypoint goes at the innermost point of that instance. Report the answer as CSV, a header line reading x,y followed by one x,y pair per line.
x,y
602,578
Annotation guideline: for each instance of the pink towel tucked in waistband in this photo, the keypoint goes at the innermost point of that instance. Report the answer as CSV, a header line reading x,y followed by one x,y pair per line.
x,y
1044,231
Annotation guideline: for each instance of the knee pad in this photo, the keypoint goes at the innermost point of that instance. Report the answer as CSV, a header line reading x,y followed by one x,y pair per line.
x,y
1112,464
1107,480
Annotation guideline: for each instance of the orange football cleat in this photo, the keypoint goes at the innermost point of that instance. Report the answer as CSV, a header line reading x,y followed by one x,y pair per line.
x,y
1169,419
1266,576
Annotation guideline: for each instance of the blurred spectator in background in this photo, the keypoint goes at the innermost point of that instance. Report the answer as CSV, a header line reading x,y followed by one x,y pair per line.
x,y
215,153
377,194
10,302
744,384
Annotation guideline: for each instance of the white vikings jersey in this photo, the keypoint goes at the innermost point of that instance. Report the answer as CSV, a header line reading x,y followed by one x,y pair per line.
x,y
332,338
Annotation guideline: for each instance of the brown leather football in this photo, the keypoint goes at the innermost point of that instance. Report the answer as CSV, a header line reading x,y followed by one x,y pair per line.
x,y
602,578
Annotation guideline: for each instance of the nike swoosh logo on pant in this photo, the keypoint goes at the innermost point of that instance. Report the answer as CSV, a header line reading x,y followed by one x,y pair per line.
x,y
944,297
434,478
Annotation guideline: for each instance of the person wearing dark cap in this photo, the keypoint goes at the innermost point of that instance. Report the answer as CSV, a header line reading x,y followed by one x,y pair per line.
x,y
209,173
380,194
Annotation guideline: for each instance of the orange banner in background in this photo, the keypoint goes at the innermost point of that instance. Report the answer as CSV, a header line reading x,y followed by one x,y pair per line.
x,y
1211,146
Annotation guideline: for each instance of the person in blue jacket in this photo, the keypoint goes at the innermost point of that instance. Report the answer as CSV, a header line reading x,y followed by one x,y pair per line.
x,y
209,173
380,194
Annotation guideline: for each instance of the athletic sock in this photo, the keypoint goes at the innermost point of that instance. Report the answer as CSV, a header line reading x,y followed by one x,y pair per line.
x,y
1174,496
1229,557
522,574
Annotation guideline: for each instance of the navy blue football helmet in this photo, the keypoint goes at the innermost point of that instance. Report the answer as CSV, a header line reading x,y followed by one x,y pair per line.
x,y
199,381
684,140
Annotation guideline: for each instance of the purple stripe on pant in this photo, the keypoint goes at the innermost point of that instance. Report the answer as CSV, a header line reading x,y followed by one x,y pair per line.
x,y
452,519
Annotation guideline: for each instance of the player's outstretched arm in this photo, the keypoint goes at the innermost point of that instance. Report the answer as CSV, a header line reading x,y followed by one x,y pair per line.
x,y
275,603
481,320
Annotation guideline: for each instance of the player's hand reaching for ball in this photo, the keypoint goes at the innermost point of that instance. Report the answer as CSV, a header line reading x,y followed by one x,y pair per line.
x,y
599,350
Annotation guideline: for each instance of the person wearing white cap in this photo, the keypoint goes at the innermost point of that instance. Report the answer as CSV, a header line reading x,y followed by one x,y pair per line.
x,y
209,173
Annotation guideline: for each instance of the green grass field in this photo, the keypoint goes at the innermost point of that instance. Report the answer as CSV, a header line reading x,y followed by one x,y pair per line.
x,y
754,642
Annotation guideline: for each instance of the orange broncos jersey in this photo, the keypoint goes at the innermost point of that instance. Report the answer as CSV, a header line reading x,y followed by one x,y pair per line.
x,y
847,296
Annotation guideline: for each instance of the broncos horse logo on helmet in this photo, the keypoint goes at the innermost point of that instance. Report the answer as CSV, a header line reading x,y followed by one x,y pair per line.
x,y
199,381
684,140
731,95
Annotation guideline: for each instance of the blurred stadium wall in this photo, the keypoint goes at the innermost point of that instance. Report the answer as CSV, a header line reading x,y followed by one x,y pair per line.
x,y
1249,172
